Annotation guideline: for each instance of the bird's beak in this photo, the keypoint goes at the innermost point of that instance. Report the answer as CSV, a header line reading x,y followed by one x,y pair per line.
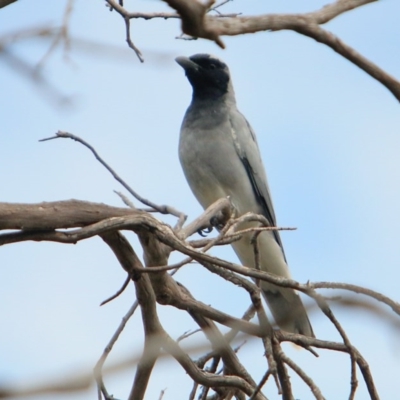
x,y
187,64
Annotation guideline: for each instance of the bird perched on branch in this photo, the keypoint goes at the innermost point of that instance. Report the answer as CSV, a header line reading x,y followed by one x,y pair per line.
x,y
219,154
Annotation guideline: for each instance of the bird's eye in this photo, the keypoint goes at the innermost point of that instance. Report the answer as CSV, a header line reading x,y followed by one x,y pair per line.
x,y
213,66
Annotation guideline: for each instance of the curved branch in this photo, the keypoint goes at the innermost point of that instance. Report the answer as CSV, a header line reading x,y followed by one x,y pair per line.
x,y
308,25
309,382
197,23
164,209
156,337
320,35
395,306
58,215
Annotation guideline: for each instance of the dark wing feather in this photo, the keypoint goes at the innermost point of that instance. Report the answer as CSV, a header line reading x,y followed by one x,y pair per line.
x,y
250,157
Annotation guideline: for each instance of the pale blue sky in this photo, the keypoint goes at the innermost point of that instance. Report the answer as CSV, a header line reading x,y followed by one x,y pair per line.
x,y
329,136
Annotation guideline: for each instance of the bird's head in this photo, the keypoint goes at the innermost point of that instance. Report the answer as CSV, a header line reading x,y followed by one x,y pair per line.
x,y
208,75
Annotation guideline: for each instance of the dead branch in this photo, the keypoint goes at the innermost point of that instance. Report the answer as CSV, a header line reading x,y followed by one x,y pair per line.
x,y
164,209
156,337
61,36
197,22
193,14
221,210
45,221
57,214
129,40
114,296
98,369
4,3
310,383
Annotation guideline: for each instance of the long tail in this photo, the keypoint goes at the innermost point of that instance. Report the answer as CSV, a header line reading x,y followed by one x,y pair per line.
x,y
288,310
285,304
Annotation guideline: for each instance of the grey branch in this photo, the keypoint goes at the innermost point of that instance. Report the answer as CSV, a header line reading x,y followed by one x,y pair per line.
x,y
197,22
38,221
57,214
164,209
46,221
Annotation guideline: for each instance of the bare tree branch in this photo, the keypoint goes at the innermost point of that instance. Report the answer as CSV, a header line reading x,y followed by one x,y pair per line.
x,y
196,22
4,3
98,369
57,214
310,383
62,35
157,240
114,296
129,40
162,209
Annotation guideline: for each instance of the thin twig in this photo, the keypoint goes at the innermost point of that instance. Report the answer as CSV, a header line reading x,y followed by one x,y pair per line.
x,y
222,3
284,385
323,305
99,365
129,40
123,287
260,384
309,382
162,209
127,201
213,368
196,22
187,334
162,394
62,34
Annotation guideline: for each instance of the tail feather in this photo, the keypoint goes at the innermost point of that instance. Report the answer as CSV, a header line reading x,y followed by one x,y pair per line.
x,y
288,310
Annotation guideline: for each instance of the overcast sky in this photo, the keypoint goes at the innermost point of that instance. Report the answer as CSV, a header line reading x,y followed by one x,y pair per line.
x,y
330,141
